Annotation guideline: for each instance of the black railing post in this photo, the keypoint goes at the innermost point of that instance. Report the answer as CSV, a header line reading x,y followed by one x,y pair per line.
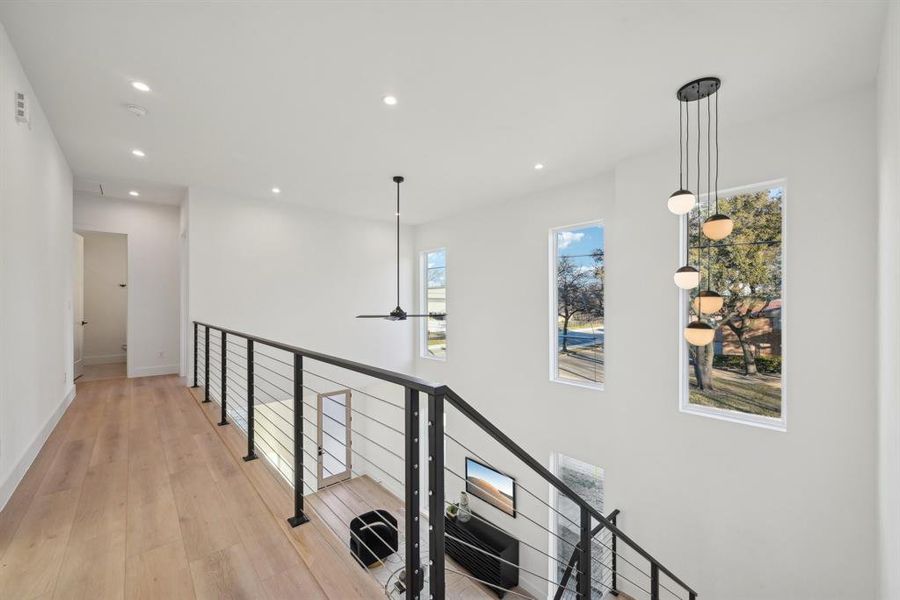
x,y
414,575
251,416
615,556
206,366
222,373
583,582
196,342
436,494
299,516
654,582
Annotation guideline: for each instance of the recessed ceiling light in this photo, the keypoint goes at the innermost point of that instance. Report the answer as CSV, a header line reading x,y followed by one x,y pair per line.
x,y
134,193
276,190
140,86
538,166
139,153
390,100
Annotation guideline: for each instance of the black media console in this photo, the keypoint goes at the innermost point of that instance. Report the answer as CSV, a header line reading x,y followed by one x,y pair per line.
x,y
483,563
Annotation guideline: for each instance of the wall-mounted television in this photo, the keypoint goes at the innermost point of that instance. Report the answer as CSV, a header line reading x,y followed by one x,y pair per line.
x,y
494,487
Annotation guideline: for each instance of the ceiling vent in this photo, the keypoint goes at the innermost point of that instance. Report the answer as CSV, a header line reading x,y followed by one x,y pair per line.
x,y
136,110
21,108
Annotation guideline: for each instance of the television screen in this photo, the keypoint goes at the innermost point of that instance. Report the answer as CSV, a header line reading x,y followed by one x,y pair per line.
x,y
491,486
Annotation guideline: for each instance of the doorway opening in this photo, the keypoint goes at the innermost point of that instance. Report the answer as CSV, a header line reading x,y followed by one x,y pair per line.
x,y
101,305
334,464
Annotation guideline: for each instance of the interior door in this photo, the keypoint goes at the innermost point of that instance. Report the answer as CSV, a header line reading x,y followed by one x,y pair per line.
x,y
334,437
78,303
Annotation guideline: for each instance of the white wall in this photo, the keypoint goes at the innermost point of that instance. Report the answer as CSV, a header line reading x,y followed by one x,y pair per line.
x,y
739,512
153,276
888,302
298,276
105,301
36,339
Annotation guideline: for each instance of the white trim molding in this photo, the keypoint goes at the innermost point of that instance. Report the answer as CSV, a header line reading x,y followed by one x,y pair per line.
x,y
683,366
553,312
24,463
151,371
105,359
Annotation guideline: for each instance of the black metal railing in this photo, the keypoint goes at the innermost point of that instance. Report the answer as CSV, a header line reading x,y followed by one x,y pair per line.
x,y
263,388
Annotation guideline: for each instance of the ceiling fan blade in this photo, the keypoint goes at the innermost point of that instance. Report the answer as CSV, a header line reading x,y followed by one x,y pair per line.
x,y
438,316
373,316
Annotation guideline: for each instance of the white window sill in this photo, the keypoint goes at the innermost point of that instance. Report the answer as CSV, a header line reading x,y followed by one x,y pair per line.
x,y
434,358
589,386
736,417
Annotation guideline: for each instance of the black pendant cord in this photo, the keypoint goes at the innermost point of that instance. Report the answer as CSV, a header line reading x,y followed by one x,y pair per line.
x,y
398,243
680,149
699,207
708,189
687,144
717,151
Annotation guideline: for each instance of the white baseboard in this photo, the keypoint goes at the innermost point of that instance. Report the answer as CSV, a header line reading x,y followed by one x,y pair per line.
x,y
15,477
104,359
151,371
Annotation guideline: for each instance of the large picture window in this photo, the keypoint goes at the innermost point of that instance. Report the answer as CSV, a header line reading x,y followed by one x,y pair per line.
x,y
740,374
434,292
576,318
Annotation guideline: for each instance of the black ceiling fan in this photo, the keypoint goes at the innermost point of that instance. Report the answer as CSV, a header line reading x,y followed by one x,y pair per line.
x,y
398,314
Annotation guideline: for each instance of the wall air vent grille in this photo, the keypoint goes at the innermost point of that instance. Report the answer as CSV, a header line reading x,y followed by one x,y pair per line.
x,y
21,108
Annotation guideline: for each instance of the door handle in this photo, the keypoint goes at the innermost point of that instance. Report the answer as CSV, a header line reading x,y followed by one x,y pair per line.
x,y
84,322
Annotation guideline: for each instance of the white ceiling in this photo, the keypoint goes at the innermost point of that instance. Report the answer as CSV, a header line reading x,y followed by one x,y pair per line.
x,y
246,96
113,187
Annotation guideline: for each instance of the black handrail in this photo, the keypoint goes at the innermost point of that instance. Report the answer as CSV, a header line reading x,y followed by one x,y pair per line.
x,y
439,393
377,372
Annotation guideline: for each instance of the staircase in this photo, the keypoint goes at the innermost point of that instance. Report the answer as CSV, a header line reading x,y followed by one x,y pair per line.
x,y
350,437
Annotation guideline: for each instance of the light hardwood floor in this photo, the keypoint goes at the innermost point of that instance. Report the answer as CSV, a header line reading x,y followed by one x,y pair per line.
x,y
138,494
135,495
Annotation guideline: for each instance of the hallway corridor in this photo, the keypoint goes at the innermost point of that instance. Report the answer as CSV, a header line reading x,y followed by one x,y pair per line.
x,y
135,495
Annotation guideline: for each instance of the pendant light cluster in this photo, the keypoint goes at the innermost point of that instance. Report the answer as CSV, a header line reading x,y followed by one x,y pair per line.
x,y
715,227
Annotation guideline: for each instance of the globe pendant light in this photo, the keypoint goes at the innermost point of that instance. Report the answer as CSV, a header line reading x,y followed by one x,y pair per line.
x,y
698,333
719,226
687,277
708,302
682,201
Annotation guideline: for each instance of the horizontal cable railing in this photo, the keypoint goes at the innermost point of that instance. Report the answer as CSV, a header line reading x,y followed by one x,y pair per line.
x,y
357,452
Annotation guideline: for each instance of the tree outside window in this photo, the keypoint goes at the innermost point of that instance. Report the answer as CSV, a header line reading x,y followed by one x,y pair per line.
x,y
740,371
578,337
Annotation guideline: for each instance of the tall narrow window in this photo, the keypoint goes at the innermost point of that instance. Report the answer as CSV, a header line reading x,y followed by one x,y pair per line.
x,y
586,480
739,375
576,318
434,276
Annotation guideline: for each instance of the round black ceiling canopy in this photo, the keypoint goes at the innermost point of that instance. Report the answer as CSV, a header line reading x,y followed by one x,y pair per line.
x,y
698,89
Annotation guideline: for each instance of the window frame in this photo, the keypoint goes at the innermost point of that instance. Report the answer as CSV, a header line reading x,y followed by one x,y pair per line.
x,y
683,365
423,303
553,311
556,458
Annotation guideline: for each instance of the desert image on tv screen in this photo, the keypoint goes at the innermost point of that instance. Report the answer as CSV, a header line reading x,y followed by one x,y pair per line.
x,y
491,486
